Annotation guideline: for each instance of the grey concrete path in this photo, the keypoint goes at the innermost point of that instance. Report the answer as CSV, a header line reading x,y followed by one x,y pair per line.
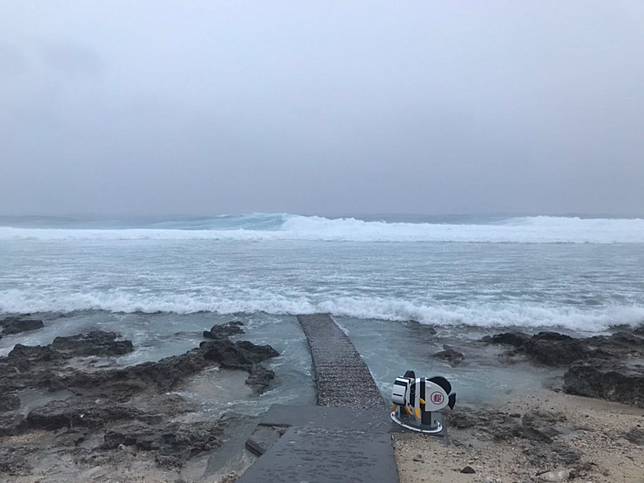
x,y
326,455
375,420
324,444
346,438
342,377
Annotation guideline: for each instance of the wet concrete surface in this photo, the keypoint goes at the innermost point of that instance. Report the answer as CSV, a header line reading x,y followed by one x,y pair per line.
x,y
342,377
314,454
346,438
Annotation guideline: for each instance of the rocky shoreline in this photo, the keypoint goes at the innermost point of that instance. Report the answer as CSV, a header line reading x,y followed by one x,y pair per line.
x,y
607,367
70,412
544,436
65,410
587,427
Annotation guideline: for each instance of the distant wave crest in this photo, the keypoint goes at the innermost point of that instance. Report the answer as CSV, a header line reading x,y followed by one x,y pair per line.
x,y
538,229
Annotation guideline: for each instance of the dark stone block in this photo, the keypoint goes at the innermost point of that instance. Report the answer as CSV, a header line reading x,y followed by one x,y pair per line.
x,y
13,325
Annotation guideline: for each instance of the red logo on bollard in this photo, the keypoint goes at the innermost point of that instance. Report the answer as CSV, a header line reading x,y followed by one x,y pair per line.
x,y
437,398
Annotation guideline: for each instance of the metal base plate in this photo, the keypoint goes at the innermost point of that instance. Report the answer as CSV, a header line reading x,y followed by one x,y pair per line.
x,y
419,429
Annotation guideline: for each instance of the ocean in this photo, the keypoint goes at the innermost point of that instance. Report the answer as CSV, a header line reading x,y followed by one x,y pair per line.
x,y
582,274
160,281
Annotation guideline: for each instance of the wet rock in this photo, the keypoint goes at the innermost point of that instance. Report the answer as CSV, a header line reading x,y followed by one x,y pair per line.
x,y
582,471
515,339
555,349
129,405
9,402
263,438
614,382
226,330
180,442
468,470
621,338
462,420
260,378
10,424
46,366
73,413
16,325
242,355
497,425
256,353
415,325
123,383
72,437
95,343
174,443
552,349
555,454
559,475
237,355
620,344
23,356
27,367
552,336
635,436
599,366
535,426
541,425
13,462
169,372
133,433
450,355
231,477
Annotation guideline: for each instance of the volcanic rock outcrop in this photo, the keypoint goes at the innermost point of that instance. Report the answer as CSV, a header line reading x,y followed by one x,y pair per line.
x,y
103,410
604,366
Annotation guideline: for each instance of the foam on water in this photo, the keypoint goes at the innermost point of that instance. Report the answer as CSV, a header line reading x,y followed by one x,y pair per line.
x,y
591,278
539,229
493,314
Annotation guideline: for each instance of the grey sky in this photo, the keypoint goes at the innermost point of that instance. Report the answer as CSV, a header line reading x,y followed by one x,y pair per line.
x,y
198,107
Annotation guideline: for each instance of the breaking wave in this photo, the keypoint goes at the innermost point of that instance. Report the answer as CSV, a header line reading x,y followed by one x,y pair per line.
x,y
493,314
537,229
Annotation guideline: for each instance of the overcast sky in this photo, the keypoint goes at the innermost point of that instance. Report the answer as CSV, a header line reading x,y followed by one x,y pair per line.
x,y
204,107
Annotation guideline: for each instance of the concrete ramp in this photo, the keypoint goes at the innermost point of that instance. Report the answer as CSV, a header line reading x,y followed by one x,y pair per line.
x,y
342,377
320,455
346,438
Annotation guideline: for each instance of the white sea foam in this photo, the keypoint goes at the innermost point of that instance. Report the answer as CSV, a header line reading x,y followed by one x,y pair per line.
x,y
475,314
539,229
90,269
